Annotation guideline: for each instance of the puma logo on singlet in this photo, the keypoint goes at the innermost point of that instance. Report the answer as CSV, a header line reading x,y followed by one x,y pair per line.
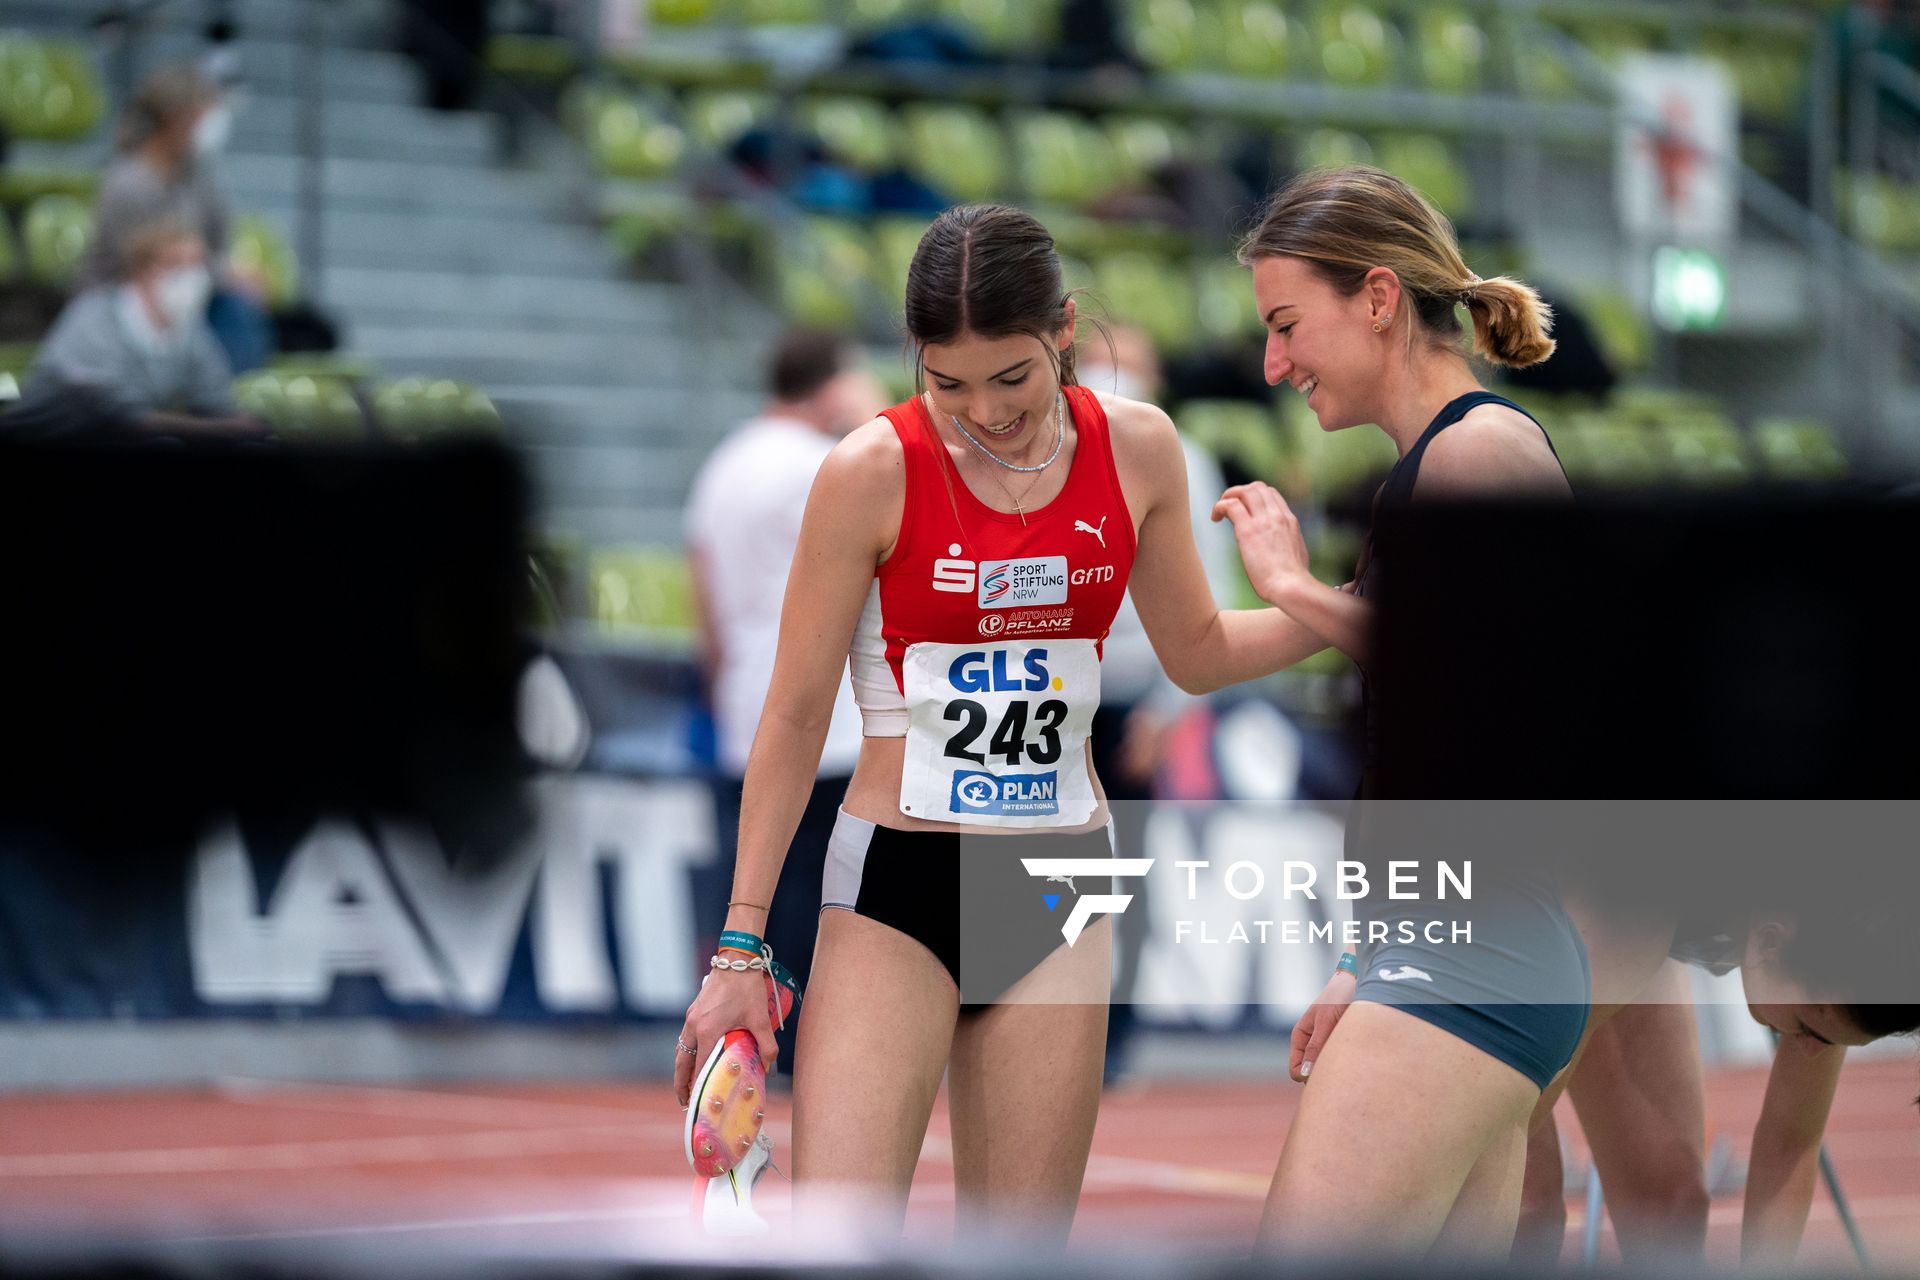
x,y
1406,971
1065,880
1081,526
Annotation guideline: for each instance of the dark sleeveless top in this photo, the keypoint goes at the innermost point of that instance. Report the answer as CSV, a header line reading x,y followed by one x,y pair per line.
x,y
1397,491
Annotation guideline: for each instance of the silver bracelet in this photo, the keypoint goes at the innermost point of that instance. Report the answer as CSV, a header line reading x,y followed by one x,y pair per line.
x,y
740,964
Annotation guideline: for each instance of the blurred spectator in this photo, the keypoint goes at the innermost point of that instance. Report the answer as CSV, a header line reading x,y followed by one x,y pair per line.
x,y
171,133
1139,702
1091,41
1578,366
135,357
448,39
743,525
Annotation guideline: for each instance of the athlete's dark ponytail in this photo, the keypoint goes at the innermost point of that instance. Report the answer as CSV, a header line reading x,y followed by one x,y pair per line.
x,y
989,270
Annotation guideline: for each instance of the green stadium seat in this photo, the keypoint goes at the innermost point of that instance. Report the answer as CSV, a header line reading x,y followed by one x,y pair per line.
x,y
867,14
1611,39
1768,74
20,186
552,59
1063,159
717,117
958,149
1452,49
641,234
1798,449
1259,38
1545,73
1649,406
780,12
685,13
1433,168
1883,211
259,249
1224,296
827,276
1357,47
631,140
1333,149
9,259
1146,144
895,239
49,90
1149,291
417,408
1174,35
1600,451
1703,450
341,366
301,406
1619,328
1007,26
56,230
1246,433
1323,465
640,589
860,131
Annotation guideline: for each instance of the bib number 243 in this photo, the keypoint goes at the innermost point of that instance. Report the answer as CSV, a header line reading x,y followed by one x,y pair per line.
x,y
1009,738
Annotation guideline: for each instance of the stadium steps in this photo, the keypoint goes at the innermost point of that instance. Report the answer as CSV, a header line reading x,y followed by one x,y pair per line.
x,y
441,259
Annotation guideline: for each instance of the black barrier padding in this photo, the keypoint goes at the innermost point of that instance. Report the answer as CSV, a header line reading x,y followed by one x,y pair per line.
x,y
1658,650
280,630
1736,646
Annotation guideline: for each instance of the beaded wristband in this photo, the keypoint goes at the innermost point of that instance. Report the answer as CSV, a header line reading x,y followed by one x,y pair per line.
x,y
1349,963
740,966
741,940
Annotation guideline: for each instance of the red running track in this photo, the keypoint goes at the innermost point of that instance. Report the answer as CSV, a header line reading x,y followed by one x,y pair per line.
x,y
594,1168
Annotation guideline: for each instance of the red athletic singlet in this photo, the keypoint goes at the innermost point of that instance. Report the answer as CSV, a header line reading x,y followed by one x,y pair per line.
x,y
980,641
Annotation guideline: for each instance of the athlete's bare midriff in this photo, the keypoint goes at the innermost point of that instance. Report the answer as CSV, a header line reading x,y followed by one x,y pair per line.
x,y
874,795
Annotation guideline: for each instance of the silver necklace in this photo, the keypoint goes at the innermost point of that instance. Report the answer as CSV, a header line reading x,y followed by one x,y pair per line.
x,y
1059,437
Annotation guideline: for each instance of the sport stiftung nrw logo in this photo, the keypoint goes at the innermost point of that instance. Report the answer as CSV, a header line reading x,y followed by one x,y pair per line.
x,y
1088,905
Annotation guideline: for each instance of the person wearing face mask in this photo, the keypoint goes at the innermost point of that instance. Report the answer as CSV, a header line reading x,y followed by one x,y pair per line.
x,y
170,137
743,524
135,357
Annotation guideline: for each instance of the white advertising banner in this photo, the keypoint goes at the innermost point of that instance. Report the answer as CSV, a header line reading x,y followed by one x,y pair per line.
x,y
1678,133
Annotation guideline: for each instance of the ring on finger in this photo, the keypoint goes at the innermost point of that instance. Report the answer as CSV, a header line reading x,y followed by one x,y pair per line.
x,y
683,1046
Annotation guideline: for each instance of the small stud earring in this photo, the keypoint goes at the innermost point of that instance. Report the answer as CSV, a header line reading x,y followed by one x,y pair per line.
x,y
1376,326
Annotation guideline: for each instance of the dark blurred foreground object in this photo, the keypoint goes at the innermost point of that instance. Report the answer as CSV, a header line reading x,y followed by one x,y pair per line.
x,y
197,629
1730,680
1745,646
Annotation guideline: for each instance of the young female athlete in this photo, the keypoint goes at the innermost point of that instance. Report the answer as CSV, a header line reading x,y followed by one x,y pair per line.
x,y
966,551
1413,1133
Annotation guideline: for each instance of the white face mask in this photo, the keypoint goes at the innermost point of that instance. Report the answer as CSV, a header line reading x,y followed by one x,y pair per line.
x,y
1106,377
182,295
212,130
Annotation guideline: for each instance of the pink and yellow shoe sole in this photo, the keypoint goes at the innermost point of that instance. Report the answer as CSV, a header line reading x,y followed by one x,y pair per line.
x,y
728,1105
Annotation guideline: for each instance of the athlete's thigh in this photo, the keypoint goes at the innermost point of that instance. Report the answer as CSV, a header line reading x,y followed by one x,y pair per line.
x,y
874,1038
1639,1095
1486,1211
1024,1090
1396,1116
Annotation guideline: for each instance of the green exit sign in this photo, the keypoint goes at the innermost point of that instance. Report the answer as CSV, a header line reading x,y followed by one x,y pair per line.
x,y
1689,289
